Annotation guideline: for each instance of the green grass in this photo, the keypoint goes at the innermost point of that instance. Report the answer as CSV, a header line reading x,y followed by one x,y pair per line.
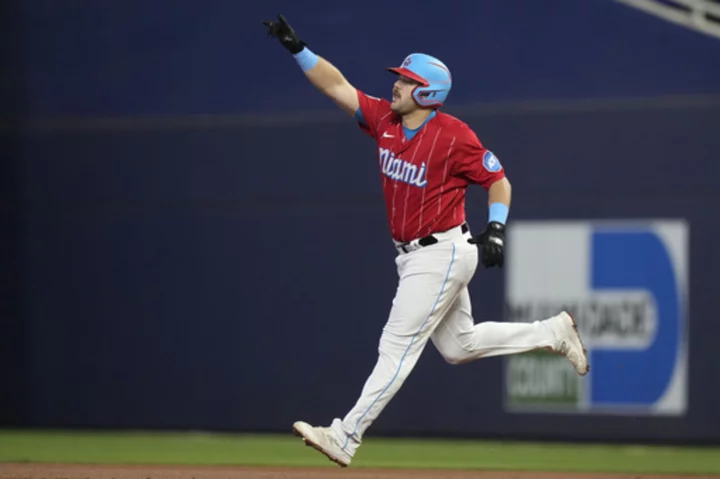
x,y
227,449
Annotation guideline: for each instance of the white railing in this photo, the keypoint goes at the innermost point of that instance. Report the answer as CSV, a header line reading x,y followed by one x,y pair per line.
x,y
700,15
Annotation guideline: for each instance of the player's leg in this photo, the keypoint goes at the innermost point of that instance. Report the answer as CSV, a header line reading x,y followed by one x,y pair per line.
x,y
459,340
429,283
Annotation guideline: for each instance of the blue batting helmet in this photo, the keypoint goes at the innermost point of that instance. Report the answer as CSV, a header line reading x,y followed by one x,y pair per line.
x,y
432,74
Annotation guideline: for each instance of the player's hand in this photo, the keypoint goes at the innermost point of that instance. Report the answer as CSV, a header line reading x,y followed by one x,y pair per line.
x,y
282,30
492,241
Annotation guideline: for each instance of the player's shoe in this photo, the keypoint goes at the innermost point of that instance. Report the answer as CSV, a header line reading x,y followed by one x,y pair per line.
x,y
323,440
569,343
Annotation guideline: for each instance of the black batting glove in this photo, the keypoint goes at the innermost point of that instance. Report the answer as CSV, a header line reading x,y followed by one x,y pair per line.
x,y
492,241
282,30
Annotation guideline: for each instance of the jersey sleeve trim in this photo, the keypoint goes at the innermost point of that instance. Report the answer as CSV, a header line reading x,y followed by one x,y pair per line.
x,y
359,116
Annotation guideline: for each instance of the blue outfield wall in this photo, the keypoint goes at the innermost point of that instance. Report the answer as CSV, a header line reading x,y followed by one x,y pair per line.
x,y
167,269
218,277
170,57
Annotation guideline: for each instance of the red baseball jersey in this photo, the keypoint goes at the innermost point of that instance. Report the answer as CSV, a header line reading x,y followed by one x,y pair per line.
x,y
424,179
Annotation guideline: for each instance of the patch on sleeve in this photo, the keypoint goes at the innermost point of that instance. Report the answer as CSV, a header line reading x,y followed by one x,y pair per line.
x,y
491,163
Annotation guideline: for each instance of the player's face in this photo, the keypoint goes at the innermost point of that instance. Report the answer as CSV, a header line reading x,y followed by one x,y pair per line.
x,y
402,102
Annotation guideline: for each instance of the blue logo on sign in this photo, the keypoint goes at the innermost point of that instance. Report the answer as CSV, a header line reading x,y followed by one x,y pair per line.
x,y
637,261
491,163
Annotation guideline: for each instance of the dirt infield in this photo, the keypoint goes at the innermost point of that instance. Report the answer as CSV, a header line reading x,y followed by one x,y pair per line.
x,y
67,471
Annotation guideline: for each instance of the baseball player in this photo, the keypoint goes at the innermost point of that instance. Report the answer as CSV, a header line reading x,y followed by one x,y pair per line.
x,y
427,159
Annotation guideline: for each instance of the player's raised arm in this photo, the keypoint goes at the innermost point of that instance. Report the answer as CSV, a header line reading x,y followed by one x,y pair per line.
x,y
321,73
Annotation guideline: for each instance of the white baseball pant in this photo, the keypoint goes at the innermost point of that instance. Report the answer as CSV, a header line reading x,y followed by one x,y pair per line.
x,y
432,302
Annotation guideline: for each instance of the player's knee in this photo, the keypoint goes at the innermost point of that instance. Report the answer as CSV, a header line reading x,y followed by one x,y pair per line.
x,y
455,355
390,341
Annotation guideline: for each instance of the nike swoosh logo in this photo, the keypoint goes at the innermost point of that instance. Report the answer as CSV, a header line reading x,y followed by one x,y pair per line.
x,y
385,135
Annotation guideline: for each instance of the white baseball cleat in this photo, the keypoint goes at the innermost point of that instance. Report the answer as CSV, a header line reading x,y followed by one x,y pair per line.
x,y
569,343
323,440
